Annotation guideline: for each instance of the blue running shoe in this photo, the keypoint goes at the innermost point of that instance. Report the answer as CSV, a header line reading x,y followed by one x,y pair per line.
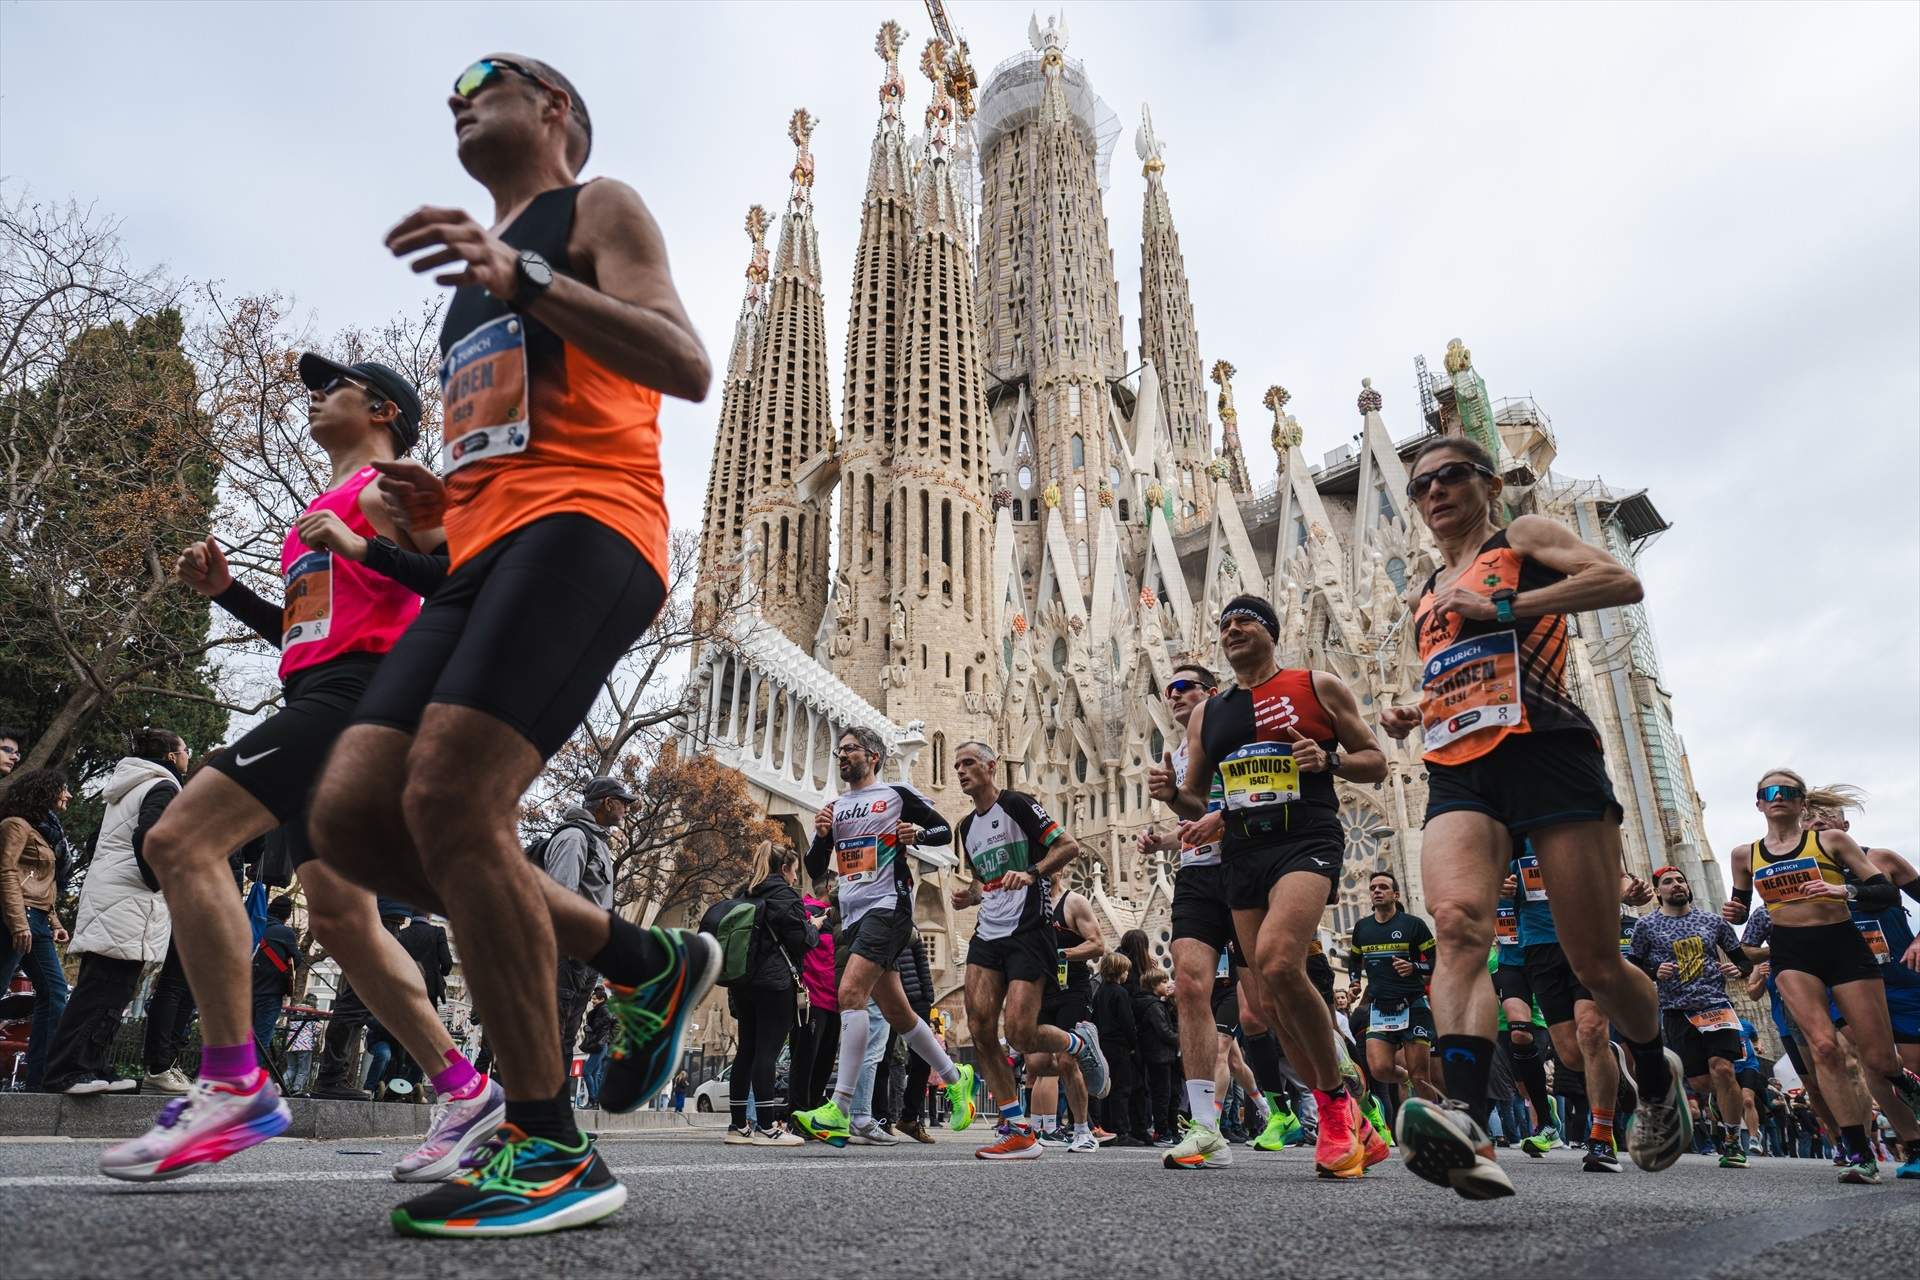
x,y
531,1186
650,1020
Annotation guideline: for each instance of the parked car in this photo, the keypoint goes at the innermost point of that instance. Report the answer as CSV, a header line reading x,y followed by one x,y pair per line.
x,y
712,1095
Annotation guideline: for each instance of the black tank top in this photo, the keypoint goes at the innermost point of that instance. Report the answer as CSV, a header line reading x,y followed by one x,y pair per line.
x,y
544,226
1237,719
1065,938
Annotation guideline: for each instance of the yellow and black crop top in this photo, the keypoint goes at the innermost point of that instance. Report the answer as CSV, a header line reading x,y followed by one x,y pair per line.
x,y
1780,878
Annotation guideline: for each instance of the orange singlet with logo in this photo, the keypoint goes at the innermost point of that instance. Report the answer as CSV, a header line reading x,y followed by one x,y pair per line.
x,y
533,427
1481,681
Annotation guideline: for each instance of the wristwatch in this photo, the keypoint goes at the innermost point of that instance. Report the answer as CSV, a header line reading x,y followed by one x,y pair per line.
x,y
1503,604
1333,759
533,276
1853,893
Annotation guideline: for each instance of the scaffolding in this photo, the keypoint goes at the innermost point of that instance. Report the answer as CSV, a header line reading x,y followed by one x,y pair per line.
x,y
1012,98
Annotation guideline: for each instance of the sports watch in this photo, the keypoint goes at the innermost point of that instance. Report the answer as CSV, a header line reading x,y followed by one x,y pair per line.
x,y
1333,759
533,276
1503,604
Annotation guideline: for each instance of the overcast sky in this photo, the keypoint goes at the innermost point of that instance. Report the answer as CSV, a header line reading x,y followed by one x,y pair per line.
x,y
1692,233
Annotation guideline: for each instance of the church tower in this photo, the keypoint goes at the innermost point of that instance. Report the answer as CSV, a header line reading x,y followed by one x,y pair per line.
x,y
792,420
728,483
1168,338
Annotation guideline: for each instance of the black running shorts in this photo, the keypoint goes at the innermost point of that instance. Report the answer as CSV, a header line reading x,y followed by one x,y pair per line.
x,y
1419,1028
1529,781
879,936
526,631
1553,982
1226,1007
1834,953
1695,1046
1025,955
1753,1080
1510,982
1252,873
1200,909
278,760
1066,1009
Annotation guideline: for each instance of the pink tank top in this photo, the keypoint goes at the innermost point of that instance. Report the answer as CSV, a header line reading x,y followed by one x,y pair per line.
x,y
333,605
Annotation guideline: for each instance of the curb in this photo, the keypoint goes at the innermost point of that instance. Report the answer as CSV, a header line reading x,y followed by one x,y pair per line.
x,y
128,1115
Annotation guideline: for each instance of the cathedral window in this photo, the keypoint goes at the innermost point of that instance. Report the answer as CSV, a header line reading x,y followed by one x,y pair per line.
x,y
1073,407
1397,574
1123,511
1159,745
939,759
1060,654
1026,477
1077,449
1080,765
1079,504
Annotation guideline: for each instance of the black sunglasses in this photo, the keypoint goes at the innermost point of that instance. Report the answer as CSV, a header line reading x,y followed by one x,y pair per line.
x,y
333,384
1449,474
1177,687
487,71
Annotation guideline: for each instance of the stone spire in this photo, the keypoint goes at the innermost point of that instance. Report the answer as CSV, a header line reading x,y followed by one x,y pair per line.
x,y
727,483
792,422
876,328
1231,459
1167,334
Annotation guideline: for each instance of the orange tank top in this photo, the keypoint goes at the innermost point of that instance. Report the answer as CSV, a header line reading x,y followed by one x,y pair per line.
x,y
533,427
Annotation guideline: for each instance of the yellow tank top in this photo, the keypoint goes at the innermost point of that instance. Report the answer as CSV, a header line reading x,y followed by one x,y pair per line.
x,y
1780,878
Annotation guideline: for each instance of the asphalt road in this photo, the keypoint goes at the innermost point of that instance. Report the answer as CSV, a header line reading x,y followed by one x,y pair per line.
x,y
698,1208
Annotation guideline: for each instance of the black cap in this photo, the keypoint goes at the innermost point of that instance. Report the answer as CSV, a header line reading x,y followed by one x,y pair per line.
x,y
600,788
317,371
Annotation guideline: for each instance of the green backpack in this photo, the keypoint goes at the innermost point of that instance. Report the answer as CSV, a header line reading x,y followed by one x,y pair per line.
x,y
733,922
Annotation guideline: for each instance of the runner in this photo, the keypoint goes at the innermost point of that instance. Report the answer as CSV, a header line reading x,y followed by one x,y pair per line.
x,y
1754,938
1890,937
1679,947
1815,949
1275,743
1521,1021
1510,755
1750,1074
562,333
1015,850
339,617
1396,949
1067,1004
863,836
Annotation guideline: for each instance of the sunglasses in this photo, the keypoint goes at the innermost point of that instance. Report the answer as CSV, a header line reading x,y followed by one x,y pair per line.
x,y
1779,791
489,70
1449,474
333,384
1177,687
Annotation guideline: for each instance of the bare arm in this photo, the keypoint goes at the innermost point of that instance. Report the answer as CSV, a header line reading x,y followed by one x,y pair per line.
x,y
634,322
1595,580
1080,916
1059,854
1190,800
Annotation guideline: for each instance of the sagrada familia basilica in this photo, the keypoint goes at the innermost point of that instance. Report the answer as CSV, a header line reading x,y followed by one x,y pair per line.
x,y
1018,524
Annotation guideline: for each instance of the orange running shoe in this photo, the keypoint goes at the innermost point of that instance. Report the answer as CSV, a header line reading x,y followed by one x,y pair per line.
x,y
1376,1149
1339,1152
1016,1144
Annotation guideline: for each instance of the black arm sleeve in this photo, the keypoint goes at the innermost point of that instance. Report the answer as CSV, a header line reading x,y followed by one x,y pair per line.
x,y
244,603
152,805
915,809
1912,889
1877,894
819,854
420,571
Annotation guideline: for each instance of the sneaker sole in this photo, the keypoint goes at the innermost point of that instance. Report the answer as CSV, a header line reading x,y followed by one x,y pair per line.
x,y
271,1125
1031,1153
450,1163
1656,1160
1436,1152
579,1213
1599,1166
1626,1098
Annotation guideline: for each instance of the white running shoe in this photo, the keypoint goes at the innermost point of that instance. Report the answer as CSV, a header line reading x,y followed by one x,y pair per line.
x,y
777,1136
1083,1143
172,1082
459,1125
1201,1148
870,1134
742,1137
216,1119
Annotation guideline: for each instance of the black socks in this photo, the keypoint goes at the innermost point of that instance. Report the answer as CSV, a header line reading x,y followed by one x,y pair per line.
x,y
1466,1064
545,1118
1262,1053
633,956
1650,1070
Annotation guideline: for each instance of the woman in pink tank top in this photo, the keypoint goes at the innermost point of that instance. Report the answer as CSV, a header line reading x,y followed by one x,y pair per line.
x,y
334,604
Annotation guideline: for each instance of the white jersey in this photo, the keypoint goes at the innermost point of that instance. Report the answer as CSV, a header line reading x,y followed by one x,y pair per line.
x,y
1199,855
864,847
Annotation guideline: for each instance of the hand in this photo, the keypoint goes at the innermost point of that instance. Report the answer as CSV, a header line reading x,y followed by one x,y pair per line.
x,y
1667,969
1821,889
203,566
1732,912
823,820
416,498
964,897
1016,880
1462,603
1729,970
1148,841
1400,721
907,834
1510,887
1401,967
23,942
1912,958
59,932
325,531
1765,968
1206,829
1638,892
1308,755
485,259
1160,783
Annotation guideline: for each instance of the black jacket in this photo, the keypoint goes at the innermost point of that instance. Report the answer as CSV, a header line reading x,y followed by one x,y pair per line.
x,y
784,935
915,976
1159,1042
274,961
599,1028
427,944
1113,1016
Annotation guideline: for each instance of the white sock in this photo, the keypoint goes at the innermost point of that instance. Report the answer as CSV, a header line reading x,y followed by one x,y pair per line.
x,y
1082,1129
853,1051
923,1042
1200,1101
1045,1123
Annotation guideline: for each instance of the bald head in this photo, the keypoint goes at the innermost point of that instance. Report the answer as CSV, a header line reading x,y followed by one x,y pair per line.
x,y
579,123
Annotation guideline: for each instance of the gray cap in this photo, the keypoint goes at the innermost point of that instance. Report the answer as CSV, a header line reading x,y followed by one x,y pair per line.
x,y
600,788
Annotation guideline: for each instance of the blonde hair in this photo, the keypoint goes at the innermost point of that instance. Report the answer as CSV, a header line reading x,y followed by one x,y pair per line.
x,y
1114,967
768,858
1153,978
1834,797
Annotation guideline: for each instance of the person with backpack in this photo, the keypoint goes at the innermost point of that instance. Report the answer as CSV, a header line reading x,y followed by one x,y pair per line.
x,y
579,857
761,998
275,958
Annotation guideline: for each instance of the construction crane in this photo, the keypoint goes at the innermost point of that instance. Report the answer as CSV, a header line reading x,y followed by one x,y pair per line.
x,y
961,81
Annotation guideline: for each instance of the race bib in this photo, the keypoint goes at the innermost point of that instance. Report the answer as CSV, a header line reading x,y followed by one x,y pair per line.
x,y
1470,686
1224,969
1261,775
1626,936
1384,1021
1785,881
1876,937
1506,926
483,395
1708,1020
1531,881
857,857
309,607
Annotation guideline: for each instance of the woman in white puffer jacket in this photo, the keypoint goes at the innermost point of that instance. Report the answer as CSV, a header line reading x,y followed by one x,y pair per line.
x,y
122,923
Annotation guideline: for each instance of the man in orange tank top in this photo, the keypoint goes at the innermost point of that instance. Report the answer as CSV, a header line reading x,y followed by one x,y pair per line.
x,y
563,332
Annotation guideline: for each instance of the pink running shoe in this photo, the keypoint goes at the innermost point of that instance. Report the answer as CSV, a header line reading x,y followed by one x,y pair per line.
x,y
216,1119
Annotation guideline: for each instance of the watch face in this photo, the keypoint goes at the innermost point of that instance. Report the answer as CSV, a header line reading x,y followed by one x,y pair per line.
x,y
537,269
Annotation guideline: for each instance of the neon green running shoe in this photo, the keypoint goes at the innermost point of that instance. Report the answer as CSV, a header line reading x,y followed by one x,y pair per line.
x,y
1281,1132
1540,1143
825,1123
1370,1108
960,1099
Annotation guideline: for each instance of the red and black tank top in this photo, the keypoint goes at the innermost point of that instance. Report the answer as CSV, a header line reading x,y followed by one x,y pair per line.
x,y
1482,681
1247,735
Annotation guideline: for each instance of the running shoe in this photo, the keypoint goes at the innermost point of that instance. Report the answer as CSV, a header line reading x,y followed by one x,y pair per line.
x,y
530,1187
172,1082
98,1084
960,1099
649,1020
867,1133
1083,1143
918,1132
458,1126
1370,1108
1661,1132
1017,1143
1102,1136
1910,1169
1339,1153
1733,1155
825,1123
1376,1149
1053,1140
1540,1143
1443,1144
1626,1096
777,1136
738,1137
1600,1158
1861,1173
1093,1063
1281,1130
1199,1148
1907,1085
215,1119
